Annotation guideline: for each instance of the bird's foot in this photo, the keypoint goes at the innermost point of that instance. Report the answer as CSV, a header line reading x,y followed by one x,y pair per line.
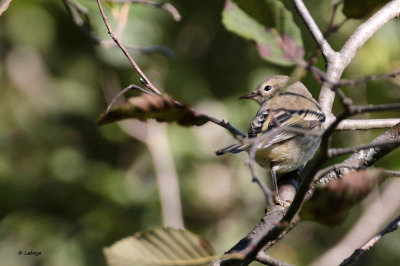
x,y
279,201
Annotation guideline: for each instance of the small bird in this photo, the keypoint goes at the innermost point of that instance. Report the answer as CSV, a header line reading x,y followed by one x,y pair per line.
x,y
282,151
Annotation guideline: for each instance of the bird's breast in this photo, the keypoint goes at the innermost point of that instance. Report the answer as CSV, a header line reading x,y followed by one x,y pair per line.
x,y
288,155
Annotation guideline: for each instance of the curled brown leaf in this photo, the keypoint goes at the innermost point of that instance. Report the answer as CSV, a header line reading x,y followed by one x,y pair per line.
x,y
161,108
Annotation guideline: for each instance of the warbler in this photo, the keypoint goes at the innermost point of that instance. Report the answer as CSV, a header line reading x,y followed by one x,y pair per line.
x,y
282,151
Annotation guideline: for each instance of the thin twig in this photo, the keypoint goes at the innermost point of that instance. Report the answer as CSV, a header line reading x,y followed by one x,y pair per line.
x,y
320,75
166,6
332,28
143,50
266,259
76,10
4,6
393,173
148,83
236,133
341,151
333,15
359,109
122,92
346,102
326,49
353,82
266,191
391,227
351,109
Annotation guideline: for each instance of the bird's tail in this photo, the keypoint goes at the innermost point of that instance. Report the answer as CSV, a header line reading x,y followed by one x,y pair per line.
x,y
235,148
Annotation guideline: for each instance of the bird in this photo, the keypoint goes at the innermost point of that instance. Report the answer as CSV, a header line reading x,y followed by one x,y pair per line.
x,y
282,151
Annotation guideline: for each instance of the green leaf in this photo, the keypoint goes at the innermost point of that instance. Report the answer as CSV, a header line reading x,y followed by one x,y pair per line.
x,y
361,8
160,246
269,25
162,108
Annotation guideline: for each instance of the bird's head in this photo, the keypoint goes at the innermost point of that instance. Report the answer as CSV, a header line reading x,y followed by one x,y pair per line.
x,y
267,89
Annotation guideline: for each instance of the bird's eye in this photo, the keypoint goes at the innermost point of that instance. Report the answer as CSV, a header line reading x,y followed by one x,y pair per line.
x,y
267,88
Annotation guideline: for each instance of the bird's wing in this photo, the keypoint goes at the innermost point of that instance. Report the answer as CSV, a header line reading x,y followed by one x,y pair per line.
x,y
268,119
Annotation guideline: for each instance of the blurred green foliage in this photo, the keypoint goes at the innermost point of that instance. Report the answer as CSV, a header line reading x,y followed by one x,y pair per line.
x,y
68,187
269,25
360,9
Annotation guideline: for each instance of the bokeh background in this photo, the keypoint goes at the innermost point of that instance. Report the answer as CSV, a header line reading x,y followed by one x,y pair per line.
x,y
68,187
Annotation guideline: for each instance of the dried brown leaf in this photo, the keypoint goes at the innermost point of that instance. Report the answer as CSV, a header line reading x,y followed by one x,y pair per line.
x,y
331,202
161,108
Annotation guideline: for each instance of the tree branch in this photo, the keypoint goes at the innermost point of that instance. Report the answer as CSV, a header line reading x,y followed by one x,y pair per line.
x,y
278,218
364,124
393,173
246,250
264,258
341,151
367,30
4,6
341,60
76,10
364,159
236,133
383,206
352,82
331,28
147,82
391,227
319,38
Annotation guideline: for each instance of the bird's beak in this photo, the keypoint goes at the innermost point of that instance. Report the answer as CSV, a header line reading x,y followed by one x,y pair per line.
x,y
251,95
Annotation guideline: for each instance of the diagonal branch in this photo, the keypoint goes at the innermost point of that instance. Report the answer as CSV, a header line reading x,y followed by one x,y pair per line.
x,y
79,15
147,82
368,29
364,159
391,227
341,151
316,33
4,6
